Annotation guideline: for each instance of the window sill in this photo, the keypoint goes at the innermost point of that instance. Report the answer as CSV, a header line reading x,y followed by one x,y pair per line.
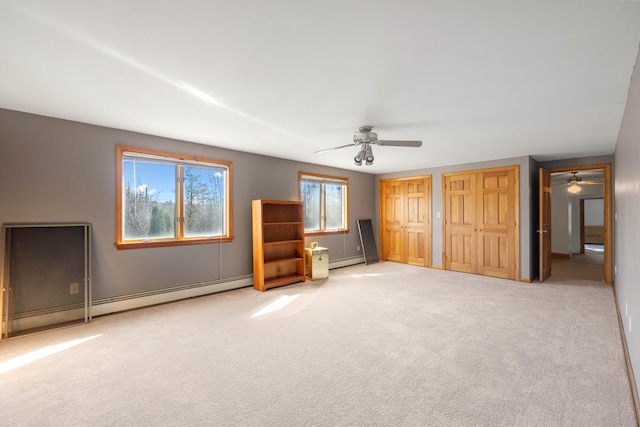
x,y
164,243
324,233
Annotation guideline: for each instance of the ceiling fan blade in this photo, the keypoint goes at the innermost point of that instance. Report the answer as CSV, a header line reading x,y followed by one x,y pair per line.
x,y
335,148
400,143
584,183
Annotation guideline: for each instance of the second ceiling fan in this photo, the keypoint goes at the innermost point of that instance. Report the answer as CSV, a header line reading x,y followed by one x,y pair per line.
x,y
365,138
575,181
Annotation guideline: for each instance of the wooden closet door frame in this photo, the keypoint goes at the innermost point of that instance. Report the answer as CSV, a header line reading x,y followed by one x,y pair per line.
x,y
428,214
516,173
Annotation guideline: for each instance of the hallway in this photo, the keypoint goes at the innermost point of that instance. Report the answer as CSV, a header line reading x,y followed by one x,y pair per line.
x,y
587,266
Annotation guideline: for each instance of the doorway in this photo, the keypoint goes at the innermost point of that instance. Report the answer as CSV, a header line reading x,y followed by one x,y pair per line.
x,y
581,246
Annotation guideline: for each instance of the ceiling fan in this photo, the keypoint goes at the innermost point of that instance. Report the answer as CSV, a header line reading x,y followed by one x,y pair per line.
x,y
575,181
365,138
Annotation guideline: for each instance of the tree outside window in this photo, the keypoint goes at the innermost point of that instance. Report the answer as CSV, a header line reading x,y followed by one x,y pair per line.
x,y
168,199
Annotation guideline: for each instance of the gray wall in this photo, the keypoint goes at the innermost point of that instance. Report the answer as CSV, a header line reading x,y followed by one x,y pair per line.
x,y
626,227
594,212
436,184
565,216
55,170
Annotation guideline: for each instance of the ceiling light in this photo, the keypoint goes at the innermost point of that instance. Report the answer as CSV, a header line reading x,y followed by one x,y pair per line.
x,y
358,158
574,188
369,155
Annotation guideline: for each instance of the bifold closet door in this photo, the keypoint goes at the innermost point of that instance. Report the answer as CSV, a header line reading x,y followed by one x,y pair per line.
x,y
481,222
392,220
460,221
497,224
406,220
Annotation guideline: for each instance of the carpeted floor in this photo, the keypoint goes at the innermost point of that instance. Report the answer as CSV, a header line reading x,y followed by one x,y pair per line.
x,y
385,344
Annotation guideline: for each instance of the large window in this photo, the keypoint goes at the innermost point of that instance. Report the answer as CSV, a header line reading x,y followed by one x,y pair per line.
x,y
325,203
166,199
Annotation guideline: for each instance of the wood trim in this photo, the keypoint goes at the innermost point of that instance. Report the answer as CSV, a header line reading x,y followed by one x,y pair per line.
x,y
180,240
443,221
544,224
524,280
165,243
627,358
560,256
229,190
429,214
346,209
187,157
608,206
325,233
608,226
179,196
581,226
516,216
119,189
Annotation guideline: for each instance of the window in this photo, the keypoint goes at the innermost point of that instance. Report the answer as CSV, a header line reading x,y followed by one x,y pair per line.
x,y
166,199
325,203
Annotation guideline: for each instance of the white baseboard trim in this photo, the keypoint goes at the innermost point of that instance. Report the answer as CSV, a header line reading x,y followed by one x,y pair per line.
x,y
130,302
346,262
145,299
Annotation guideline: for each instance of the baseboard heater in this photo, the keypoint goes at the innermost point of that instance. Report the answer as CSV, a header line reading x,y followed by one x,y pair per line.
x,y
144,299
104,306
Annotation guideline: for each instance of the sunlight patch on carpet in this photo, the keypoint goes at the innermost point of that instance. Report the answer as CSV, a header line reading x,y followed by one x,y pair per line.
x,y
41,353
278,304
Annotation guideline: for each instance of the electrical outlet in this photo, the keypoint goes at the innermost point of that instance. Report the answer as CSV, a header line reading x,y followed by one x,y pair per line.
x,y
73,288
615,269
358,248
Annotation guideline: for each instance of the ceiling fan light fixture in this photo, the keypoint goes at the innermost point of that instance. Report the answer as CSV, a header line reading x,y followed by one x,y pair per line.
x,y
364,139
574,188
368,155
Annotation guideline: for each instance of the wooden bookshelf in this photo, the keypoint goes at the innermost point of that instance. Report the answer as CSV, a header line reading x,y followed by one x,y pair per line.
x,y
278,243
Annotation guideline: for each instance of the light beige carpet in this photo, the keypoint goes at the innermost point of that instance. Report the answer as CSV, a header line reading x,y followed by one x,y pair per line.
x,y
385,344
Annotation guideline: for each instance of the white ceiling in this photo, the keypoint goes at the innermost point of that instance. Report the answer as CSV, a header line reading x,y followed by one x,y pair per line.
x,y
474,80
